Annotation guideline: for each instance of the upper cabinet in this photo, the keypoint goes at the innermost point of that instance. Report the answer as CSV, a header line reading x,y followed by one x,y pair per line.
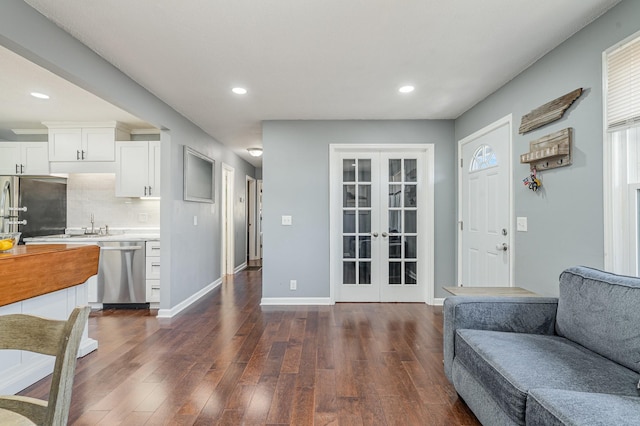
x,y
138,169
24,158
84,141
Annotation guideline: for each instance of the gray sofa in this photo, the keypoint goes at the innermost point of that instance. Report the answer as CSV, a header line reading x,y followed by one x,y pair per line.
x,y
571,360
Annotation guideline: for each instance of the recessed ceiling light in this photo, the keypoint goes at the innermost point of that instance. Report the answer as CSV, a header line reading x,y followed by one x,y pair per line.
x,y
406,89
39,95
239,90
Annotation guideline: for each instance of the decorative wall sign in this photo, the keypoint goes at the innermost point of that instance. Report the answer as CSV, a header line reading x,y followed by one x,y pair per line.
x,y
549,112
549,151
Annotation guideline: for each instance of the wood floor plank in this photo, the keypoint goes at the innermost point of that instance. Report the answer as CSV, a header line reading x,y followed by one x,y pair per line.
x,y
227,360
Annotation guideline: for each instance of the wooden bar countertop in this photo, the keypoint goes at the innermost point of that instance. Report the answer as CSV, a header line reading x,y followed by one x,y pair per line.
x,y
28,271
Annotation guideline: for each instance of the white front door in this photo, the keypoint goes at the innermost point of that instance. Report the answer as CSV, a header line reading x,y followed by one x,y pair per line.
x,y
484,199
382,226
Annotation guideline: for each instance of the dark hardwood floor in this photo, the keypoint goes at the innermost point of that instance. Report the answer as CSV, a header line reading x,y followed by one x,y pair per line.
x,y
226,360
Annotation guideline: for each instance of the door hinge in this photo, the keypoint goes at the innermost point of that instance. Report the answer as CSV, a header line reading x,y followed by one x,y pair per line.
x,y
461,225
461,163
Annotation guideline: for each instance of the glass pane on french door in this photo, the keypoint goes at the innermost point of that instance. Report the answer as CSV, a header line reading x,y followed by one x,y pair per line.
x,y
402,211
356,221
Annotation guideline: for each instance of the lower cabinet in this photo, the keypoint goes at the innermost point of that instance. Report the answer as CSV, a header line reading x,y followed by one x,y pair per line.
x,y
153,273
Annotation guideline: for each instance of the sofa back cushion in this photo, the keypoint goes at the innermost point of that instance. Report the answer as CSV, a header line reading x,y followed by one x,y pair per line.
x,y
601,311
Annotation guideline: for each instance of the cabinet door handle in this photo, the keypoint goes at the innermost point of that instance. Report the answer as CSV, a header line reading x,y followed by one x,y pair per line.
x,y
155,264
145,191
21,168
17,169
83,154
149,190
77,154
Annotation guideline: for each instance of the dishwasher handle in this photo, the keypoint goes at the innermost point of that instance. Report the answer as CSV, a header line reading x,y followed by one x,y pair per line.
x,y
124,248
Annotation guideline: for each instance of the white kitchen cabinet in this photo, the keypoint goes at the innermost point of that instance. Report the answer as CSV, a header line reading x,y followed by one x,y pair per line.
x,y
24,158
83,141
153,273
138,169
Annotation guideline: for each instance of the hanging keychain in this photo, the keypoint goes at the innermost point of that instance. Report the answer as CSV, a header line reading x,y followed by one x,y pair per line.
x,y
532,181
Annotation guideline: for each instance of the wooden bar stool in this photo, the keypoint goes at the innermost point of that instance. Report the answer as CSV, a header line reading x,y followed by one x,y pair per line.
x,y
45,336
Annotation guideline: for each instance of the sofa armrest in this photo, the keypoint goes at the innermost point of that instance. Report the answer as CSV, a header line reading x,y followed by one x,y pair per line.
x,y
533,315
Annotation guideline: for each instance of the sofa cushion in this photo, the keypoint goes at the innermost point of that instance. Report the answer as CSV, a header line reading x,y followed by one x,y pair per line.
x,y
509,364
551,407
600,311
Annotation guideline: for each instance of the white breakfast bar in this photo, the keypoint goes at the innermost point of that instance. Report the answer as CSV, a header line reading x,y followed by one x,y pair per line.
x,y
48,281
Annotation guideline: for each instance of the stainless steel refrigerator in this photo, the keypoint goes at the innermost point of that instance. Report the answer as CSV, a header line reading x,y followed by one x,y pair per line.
x,y
33,205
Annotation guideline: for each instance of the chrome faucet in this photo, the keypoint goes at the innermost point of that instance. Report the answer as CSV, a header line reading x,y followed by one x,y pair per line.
x,y
93,229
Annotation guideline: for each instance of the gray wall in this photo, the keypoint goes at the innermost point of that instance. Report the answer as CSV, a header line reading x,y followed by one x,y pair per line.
x,y
296,182
566,216
190,254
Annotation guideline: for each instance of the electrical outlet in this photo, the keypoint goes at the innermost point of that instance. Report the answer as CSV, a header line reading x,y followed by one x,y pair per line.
x,y
287,220
293,285
195,221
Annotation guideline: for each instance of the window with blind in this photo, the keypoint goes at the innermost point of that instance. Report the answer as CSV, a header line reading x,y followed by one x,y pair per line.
x,y
622,157
623,85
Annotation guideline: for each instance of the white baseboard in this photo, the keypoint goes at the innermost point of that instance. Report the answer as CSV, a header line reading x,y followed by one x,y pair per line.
x,y
274,301
240,268
87,346
438,301
170,313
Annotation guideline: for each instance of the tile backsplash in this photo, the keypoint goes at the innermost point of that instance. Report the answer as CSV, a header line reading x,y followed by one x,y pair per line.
x,y
89,193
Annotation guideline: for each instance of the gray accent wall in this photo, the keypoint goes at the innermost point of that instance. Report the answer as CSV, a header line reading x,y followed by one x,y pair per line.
x,y
296,183
565,217
191,255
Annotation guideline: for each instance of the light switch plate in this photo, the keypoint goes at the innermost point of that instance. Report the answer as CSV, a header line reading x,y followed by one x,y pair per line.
x,y
287,220
521,224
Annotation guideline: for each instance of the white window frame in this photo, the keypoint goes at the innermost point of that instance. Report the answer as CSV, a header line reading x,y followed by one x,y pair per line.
x,y
620,248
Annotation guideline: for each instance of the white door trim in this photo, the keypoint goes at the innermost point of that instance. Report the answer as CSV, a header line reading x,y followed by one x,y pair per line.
x,y
259,218
506,120
334,218
251,218
228,248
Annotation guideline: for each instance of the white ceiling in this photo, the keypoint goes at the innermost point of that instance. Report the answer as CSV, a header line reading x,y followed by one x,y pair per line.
x,y
18,110
319,59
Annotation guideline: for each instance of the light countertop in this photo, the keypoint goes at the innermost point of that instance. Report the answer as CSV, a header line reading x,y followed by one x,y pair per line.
x,y
67,238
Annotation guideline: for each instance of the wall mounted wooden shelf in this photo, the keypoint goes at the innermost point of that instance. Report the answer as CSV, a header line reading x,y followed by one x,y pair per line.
x,y
550,151
549,112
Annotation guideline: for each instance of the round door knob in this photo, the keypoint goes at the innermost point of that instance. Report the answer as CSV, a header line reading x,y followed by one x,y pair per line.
x,y
374,234
502,247
385,235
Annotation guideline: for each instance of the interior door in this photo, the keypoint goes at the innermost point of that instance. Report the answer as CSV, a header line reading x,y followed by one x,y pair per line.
x,y
485,229
383,239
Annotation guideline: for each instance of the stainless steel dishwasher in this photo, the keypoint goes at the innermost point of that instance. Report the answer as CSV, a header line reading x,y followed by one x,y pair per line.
x,y
121,274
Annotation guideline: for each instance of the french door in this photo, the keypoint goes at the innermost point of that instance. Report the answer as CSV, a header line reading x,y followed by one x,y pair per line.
x,y
380,232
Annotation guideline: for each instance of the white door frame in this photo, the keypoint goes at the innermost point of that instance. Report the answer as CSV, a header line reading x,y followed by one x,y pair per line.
x,y
259,218
507,120
228,246
251,219
334,213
